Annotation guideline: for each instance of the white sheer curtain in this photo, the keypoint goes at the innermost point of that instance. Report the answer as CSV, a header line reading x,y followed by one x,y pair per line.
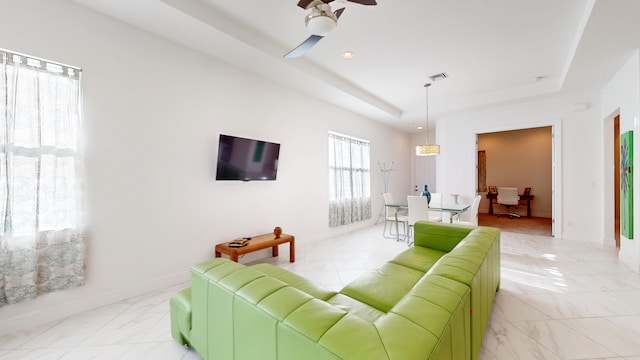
x,y
42,240
349,180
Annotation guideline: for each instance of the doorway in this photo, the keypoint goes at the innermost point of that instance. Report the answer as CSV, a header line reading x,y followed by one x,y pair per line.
x,y
522,158
424,173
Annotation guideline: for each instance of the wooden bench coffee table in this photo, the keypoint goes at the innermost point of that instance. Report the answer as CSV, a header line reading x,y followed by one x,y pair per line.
x,y
258,243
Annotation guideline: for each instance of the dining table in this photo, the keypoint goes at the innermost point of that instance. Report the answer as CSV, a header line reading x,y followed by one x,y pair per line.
x,y
454,209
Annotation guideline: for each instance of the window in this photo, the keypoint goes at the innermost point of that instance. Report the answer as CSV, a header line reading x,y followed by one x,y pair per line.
x,y
349,180
42,239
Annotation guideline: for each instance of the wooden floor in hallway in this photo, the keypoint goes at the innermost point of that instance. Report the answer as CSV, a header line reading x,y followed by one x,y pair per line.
x,y
525,225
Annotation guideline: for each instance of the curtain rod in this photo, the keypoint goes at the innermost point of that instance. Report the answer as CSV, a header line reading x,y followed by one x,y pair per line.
x,y
9,52
17,59
348,137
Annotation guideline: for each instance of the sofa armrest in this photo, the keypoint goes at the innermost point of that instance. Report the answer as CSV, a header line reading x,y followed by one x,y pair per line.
x,y
180,312
443,237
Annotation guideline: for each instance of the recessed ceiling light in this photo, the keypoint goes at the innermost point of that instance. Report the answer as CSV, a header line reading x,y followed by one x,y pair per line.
x,y
419,127
348,55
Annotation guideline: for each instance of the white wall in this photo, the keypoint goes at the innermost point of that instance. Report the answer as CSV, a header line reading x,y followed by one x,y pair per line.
x,y
622,96
153,112
578,147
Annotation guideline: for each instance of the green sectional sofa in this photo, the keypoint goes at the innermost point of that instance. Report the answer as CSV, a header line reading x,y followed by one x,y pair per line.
x,y
431,301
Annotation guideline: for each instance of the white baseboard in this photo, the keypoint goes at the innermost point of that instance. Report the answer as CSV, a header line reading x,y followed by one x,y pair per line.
x,y
48,314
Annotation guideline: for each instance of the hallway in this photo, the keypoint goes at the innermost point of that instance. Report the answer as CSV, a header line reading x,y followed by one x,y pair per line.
x,y
524,225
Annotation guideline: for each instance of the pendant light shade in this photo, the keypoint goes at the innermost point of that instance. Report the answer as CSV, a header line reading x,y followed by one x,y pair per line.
x,y
427,149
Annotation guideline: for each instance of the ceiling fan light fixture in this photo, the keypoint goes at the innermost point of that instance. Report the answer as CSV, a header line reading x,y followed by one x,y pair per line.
x,y
321,23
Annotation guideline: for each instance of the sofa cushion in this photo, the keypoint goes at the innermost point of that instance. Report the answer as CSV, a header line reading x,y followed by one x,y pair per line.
x,y
355,307
480,238
441,291
202,274
453,298
424,313
406,340
254,332
475,262
384,287
214,270
418,258
314,318
283,302
455,268
260,288
293,345
294,280
239,278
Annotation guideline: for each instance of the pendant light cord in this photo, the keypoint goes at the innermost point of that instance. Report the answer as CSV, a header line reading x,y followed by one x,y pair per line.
x,y
426,86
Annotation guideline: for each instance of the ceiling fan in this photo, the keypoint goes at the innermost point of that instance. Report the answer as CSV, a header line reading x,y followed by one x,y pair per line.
x,y
320,21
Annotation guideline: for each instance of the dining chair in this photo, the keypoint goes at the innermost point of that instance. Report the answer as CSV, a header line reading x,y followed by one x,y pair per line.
x,y
390,217
418,211
470,217
436,202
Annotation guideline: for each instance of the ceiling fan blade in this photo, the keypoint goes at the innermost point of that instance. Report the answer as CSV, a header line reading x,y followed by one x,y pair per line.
x,y
338,12
304,47
365,2
305,3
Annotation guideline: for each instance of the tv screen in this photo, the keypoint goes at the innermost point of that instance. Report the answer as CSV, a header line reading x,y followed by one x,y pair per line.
x,y
246,159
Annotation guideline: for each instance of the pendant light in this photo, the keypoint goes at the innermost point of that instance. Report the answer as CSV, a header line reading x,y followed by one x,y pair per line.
x,y
426,149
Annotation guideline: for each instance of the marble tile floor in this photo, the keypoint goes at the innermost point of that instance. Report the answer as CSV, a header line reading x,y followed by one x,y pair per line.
x,y
558,300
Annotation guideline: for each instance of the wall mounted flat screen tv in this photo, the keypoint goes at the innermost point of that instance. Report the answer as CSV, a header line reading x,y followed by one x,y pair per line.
x,y
246,159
